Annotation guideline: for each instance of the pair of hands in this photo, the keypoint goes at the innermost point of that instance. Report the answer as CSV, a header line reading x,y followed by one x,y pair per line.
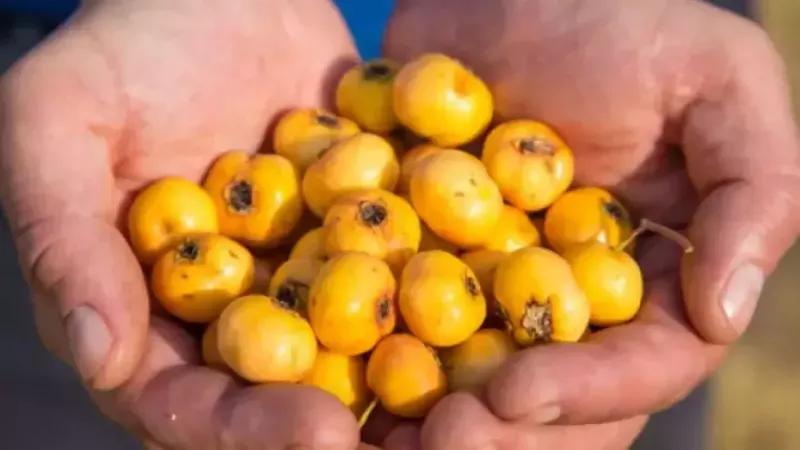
x,y
682,109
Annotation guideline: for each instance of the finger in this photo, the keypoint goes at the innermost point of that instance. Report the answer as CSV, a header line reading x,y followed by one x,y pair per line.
x,y
59,196
740,144
379,425
177,404
404,437
621,372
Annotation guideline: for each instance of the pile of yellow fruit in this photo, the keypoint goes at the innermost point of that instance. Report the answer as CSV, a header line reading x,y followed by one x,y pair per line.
x,y
371,257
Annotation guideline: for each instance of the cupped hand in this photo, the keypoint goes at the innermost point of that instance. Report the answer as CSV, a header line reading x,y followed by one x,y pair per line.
x,y
683,111
123,94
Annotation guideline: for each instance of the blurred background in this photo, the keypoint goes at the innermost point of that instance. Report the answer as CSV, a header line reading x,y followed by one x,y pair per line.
x,y
755,398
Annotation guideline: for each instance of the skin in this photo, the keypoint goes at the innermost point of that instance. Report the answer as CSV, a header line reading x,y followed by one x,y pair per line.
x,y
114,124
684,91
126,93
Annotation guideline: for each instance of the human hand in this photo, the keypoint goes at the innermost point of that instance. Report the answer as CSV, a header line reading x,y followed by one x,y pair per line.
x,y
125,93
683,111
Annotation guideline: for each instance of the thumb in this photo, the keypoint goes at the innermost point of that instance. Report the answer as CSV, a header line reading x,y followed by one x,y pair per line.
x,y
741,152
59,197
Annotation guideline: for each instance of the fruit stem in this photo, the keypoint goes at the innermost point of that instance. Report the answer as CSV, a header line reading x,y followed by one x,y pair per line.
x,y
664,231
367,412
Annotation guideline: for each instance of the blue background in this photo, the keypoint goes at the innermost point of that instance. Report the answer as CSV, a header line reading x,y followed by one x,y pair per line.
x,y
366,18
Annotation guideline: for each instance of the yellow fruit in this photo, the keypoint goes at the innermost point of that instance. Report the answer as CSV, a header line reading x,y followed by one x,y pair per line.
x,y
471,364
303,134
292,281
341,376
311,245
364,95
514,231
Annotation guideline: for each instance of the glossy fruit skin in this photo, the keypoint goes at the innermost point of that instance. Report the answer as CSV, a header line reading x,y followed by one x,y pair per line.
x,y
406,376
438,98
342,376
410,161
167,211
440,299
291,283
210,352
611,279
304,133
375,222
197,279
365,95
530,163
471,364
352,303
311,245
483,264
361,162
257,197
525,282
263,342
456,198
514,231
587,214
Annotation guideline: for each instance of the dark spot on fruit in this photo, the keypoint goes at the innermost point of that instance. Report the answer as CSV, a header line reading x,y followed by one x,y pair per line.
x,y
384,309
372,214
615,210
472,286
459,194
473,182
233,254
240,196
188,296
376,71
184,276
189,250
327,120
536,145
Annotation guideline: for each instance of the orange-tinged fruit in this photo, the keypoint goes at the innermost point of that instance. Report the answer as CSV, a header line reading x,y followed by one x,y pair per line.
x,y
471,364
198,278
410,161
167,211
375,222
257,197
611,280
342,376
264,269
352,303
292,281
406,376
210,352
540,297
305,133
308,221
456,198
587,214
311,245
440,299
361,162
483,264
530,163
365,95
263,341
514,231
438,98
432,241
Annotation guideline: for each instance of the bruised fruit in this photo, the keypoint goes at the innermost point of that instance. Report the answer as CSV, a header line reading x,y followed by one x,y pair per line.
x,y
352,303
456,198
210,352
530,163
361,162
341,376
611,280
263,341
375,222
311,245
514,231
411,161
292,282
166,212
305,133
406,376
257,197
471,364
440,299
540,298
198,278
438,98
365,95
587,214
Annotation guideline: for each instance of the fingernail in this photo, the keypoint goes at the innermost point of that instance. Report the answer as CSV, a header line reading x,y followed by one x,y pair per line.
x,y
547,413
89,340
741,295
